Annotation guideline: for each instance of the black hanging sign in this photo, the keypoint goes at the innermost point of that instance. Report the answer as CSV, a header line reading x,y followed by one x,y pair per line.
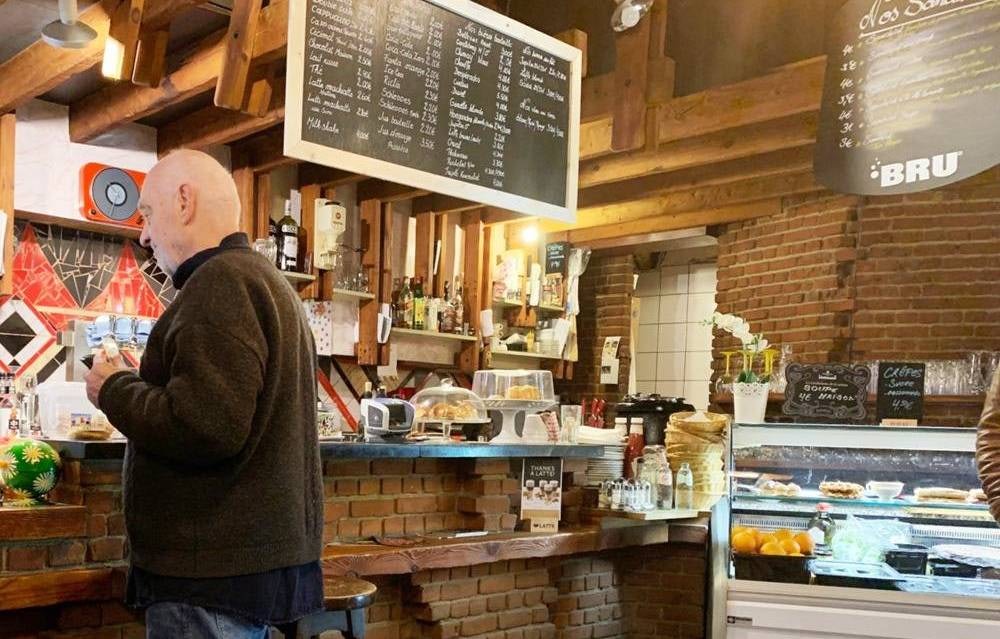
x,y
441,95
556,254
900,391
826,391
910,96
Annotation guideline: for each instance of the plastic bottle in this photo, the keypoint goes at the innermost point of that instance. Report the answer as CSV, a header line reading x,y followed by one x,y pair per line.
x,y
822,527
684,493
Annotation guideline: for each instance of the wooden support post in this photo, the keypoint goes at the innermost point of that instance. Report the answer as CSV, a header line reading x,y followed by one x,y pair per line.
x,y
122,41
243,176
151,58
424,252
7,122
371,259
308,223
475,234
232,82
262,215
261,91
576,38
631,67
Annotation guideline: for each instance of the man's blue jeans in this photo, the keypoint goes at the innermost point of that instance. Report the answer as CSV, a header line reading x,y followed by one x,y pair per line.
x,y
169,620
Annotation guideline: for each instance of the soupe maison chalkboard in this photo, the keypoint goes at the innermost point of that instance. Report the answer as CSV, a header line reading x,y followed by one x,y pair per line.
x,y
441,95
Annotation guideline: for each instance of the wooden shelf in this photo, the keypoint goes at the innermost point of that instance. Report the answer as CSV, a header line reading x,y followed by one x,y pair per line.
x,y
299,278
652,515
550,309
80,224
524,355
344,293
43,522
433,335
372,559
55,587
506,304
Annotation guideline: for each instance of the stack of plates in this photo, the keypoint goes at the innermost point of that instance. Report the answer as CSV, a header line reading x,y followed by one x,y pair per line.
x,y
607,468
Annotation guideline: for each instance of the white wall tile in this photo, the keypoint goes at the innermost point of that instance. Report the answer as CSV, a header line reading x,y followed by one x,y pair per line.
x,y
649,310
696,393
703,278
647,284
646,388
672,338
648,341
673,308
673,279
697,365
700,306
699,337
670,389
645,367
670,366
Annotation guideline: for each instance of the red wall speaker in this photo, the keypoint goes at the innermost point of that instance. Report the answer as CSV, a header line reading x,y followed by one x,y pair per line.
x,y
110,195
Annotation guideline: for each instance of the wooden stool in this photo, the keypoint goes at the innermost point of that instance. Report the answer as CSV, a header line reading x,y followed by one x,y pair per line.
x,y
345,600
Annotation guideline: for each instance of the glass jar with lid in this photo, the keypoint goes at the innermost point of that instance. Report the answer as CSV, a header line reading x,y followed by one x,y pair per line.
x,y
439,409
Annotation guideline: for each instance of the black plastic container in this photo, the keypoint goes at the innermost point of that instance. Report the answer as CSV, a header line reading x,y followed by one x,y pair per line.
x,y
774,568
655,412
949,568
909,559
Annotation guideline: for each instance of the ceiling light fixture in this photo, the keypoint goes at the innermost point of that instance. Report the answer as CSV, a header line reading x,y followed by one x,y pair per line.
x,y
66,32
628,13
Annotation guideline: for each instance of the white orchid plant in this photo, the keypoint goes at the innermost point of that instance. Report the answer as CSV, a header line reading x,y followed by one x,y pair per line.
x,y
754,345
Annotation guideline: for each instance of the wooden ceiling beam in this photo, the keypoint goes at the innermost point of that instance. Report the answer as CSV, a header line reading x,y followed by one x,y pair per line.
x,y
437,203
232,82
109,107
325,176
40,67
151,58
674,221
122,40
212,125
731,144
387,191
631,70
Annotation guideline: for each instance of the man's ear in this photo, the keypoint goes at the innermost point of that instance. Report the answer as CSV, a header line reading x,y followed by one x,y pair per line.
x,y
185,203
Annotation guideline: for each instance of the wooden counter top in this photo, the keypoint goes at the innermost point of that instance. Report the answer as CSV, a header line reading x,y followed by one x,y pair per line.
x,y
372,559
115,449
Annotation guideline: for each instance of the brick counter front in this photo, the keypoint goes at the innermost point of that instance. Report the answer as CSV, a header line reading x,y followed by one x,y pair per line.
x,y
583,593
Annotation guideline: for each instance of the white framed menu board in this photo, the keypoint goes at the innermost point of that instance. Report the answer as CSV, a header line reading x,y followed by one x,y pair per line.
x,y
442,95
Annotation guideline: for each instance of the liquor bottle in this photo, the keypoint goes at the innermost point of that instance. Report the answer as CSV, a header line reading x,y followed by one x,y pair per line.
x,y
446,324
288,229
458,306
396,310
273,234
406,305
419,305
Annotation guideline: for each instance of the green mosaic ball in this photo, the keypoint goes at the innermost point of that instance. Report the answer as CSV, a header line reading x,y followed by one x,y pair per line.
x,y
29,470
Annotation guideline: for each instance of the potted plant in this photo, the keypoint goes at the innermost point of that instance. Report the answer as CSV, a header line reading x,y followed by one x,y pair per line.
x,y
750,389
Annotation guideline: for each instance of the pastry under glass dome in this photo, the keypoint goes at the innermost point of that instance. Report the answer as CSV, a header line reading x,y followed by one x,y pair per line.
x,y
512,392
438,408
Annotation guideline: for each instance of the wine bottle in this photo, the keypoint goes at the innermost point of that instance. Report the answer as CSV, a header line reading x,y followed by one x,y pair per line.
x,y
419,306
288,230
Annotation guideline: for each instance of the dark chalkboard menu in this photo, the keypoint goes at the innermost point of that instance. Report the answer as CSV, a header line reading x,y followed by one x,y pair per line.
x,y
442,95
556,255
910,95
826,392
900,391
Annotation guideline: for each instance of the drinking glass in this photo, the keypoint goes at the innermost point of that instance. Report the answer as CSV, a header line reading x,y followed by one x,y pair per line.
x,y
976,384
992,365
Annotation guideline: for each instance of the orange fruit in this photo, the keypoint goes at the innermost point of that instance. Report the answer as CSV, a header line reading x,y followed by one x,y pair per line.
x,y
737,530
790,547
796,554
805,543
763,540
783,533
745,543
772,548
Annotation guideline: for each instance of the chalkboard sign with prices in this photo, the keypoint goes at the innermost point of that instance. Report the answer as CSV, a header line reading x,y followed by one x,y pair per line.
x,y
556,254
900,391
441,95
834,392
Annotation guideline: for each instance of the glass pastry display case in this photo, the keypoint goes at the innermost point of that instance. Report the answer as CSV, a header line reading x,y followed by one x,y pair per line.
x,y
830,517
511,392
440,409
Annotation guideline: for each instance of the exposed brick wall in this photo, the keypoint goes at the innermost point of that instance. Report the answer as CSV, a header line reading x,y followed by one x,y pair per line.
x,y
606,305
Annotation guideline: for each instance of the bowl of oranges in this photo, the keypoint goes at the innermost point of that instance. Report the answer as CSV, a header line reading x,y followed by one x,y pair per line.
x,y
782,555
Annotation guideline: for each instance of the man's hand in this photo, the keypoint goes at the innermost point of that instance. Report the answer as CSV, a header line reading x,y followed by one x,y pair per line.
x,y
102,369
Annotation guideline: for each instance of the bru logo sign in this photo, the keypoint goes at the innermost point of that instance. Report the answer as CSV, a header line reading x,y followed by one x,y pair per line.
x,y
915,170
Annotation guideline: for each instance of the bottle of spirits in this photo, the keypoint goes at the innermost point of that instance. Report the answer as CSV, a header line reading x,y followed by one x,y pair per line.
x,y
275,236
396,310
446,324
458,306
419,305
406,305
288,230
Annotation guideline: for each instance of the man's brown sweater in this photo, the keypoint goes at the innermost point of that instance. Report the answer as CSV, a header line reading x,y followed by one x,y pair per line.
x,y
222,473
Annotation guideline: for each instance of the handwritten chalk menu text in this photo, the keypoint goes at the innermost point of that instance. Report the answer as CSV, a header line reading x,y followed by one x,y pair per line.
x,y
419,93
900,391
910,95
820,392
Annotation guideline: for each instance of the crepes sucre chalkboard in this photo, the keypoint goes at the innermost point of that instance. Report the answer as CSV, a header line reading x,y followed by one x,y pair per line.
x,y
442,95
900,391
819,392
910,95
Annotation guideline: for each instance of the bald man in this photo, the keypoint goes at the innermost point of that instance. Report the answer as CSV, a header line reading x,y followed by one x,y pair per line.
x,y
223,492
